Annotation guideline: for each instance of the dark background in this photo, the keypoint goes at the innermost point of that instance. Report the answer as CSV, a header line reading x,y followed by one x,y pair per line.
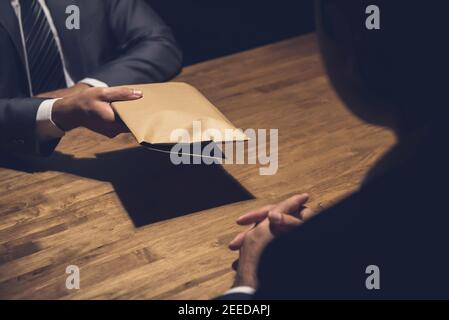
x,y
208,29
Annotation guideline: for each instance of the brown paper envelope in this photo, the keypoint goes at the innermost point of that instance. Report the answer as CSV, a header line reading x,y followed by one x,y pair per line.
x,y
166,107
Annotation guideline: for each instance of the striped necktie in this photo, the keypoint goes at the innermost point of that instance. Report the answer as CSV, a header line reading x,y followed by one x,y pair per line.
x,y
44,60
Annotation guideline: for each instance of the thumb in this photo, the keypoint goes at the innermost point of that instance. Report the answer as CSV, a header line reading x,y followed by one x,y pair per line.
x,y
120,94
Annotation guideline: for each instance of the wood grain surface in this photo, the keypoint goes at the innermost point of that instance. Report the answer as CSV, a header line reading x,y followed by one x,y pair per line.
x,y
141,228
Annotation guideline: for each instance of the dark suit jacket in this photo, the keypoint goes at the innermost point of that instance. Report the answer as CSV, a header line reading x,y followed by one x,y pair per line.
x,y
119,42
399,222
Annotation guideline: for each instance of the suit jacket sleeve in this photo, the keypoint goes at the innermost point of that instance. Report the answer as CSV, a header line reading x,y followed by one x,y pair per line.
x,y
18,127
148,50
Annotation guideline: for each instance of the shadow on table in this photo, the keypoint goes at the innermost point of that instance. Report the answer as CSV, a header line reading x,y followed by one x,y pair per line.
x,y
149,186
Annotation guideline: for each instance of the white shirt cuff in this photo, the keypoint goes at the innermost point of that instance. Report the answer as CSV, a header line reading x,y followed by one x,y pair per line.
x,y
46,129
94,83
244,290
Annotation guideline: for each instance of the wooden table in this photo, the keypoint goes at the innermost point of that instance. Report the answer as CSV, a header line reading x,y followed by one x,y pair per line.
x,y
132,222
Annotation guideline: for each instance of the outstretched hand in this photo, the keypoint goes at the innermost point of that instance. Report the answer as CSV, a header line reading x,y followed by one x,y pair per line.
x,y
283,217
92,109
266,223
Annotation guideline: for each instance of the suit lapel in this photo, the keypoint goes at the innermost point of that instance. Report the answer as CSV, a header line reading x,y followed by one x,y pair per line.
x,y
70,39
8,20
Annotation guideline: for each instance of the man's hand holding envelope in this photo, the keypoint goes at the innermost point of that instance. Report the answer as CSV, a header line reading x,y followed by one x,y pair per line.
x,y
91,109
152,112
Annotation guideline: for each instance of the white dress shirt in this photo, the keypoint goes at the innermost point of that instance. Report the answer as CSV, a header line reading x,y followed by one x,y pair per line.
x,y
46,129
245,290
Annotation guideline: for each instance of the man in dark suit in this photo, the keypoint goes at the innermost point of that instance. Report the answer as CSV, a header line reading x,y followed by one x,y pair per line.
x,y
389,239
44,58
